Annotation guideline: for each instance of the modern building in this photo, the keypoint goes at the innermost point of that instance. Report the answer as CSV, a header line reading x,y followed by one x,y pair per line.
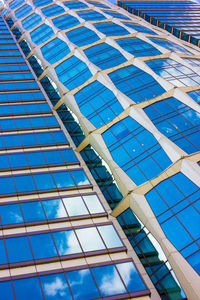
x,y
126,96
179,17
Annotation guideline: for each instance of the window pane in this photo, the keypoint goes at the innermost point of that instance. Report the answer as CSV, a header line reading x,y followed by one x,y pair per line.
x,y
110,236
66,242
43,246
75,206
18,249
55,287
10,214
32,211
82,285
93,204
108,280
90,239
6,290
54,209
28,288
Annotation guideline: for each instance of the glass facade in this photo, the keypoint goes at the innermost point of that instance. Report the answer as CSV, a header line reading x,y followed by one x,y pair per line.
x,y
127,94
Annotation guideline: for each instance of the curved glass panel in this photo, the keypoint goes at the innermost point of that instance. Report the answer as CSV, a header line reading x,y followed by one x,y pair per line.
x,y
82,36
65,22
195,95
192,61
91,15
55,50
138,47
75,4
135,150
23,11
179,122
170,45
53,10
73,72
97,4
16,3
31,21
140,28
174,72
116,15
111,29
136,84
41,34
104,56
98,103
176,205
39,3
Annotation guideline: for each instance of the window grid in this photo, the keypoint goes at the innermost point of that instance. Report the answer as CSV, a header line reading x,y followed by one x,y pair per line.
x,y
178,122
55,50
91,15
111,29
174,72
65,22
82,36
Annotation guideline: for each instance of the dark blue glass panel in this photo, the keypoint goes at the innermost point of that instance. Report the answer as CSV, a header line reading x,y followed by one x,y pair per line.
x,y
82,36
28,288
41,34
32,211
90,15
136,84
80,177
31,21
36,159
3,257
6,290
43,245
75,4
98,103
44,181
24,183
63,179
104,56
73,72
18,249
10,214
55,50
111,29
65,22
7,185
140,28
53,10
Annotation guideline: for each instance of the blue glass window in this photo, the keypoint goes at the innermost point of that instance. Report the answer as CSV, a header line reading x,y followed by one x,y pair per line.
x,y
170,45
55,50
98,4
43,245
136,84
178,122
115,14
134,281
23,11
18,249
16,3
53,10
32,211
82,36
110,236
66,242
10,214
195,95
91,15
55,287
39,3
109,275
6,290
75,4
104,56
140,28
136,150
7,185
75,206
31,21
24,289
65,22
98,103
111,29
174,72
73,72
175,202
54,209
79,282
138,47
41,34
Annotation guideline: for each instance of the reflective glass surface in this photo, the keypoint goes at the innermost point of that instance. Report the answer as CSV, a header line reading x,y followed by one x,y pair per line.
x,y
41,34
82,36
111,29
65,22
136,84
55,50
73,72
98,103
135,150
